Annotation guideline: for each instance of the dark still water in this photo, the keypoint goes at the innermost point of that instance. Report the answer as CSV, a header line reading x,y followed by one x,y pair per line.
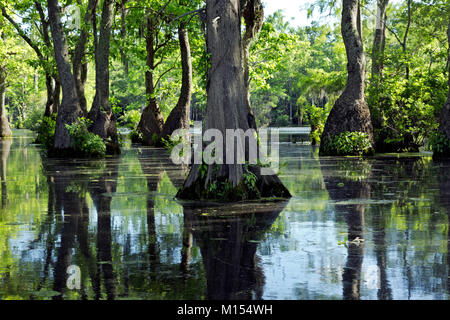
x,y
354,229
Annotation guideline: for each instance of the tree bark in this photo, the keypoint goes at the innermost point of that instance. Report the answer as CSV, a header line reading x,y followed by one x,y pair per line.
x,y
101,114
350,112
70,109
152,120
444,123
179,117
5,130
227,107
78,60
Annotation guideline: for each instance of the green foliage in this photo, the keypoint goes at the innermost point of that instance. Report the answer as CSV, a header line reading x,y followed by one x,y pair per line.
x,y
170,143
349,144
407,110
250,180
86,143
156,139
439,143
46,131
136,136
407,100
131,119
317,117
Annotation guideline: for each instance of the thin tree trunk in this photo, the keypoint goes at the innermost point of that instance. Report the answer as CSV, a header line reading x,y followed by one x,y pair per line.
x,y
5,130
152,120
253,13
350,112
70,109
78,60
179,118
104,120
43,59
379,44
227,109
123,34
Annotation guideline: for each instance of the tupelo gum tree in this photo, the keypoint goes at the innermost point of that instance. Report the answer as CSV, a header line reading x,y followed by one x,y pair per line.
x,y
179,117
227,109
350,112
70,110
101,114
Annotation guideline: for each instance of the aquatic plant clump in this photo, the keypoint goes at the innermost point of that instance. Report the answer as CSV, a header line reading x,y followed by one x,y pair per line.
x,y
253,186
440,144
349,144
46,131
84,142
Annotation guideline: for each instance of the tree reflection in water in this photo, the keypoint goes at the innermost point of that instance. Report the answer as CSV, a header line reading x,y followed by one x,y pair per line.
x,y
5,147
228,238
68,184
343,188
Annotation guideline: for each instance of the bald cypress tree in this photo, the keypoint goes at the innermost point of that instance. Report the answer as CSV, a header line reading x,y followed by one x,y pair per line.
x,y
227,109
350,112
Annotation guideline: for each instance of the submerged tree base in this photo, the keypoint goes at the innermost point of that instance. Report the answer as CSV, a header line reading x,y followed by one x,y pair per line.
x,y
5,130
348,115
253,186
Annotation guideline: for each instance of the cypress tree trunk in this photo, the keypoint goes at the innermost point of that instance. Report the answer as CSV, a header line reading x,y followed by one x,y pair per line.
x,y
152,120
227,109
350,112
179,118
104,121
70,109
444,125
5,130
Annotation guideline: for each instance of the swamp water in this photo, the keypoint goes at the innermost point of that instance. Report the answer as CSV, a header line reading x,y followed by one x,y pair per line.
x,y
354,229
